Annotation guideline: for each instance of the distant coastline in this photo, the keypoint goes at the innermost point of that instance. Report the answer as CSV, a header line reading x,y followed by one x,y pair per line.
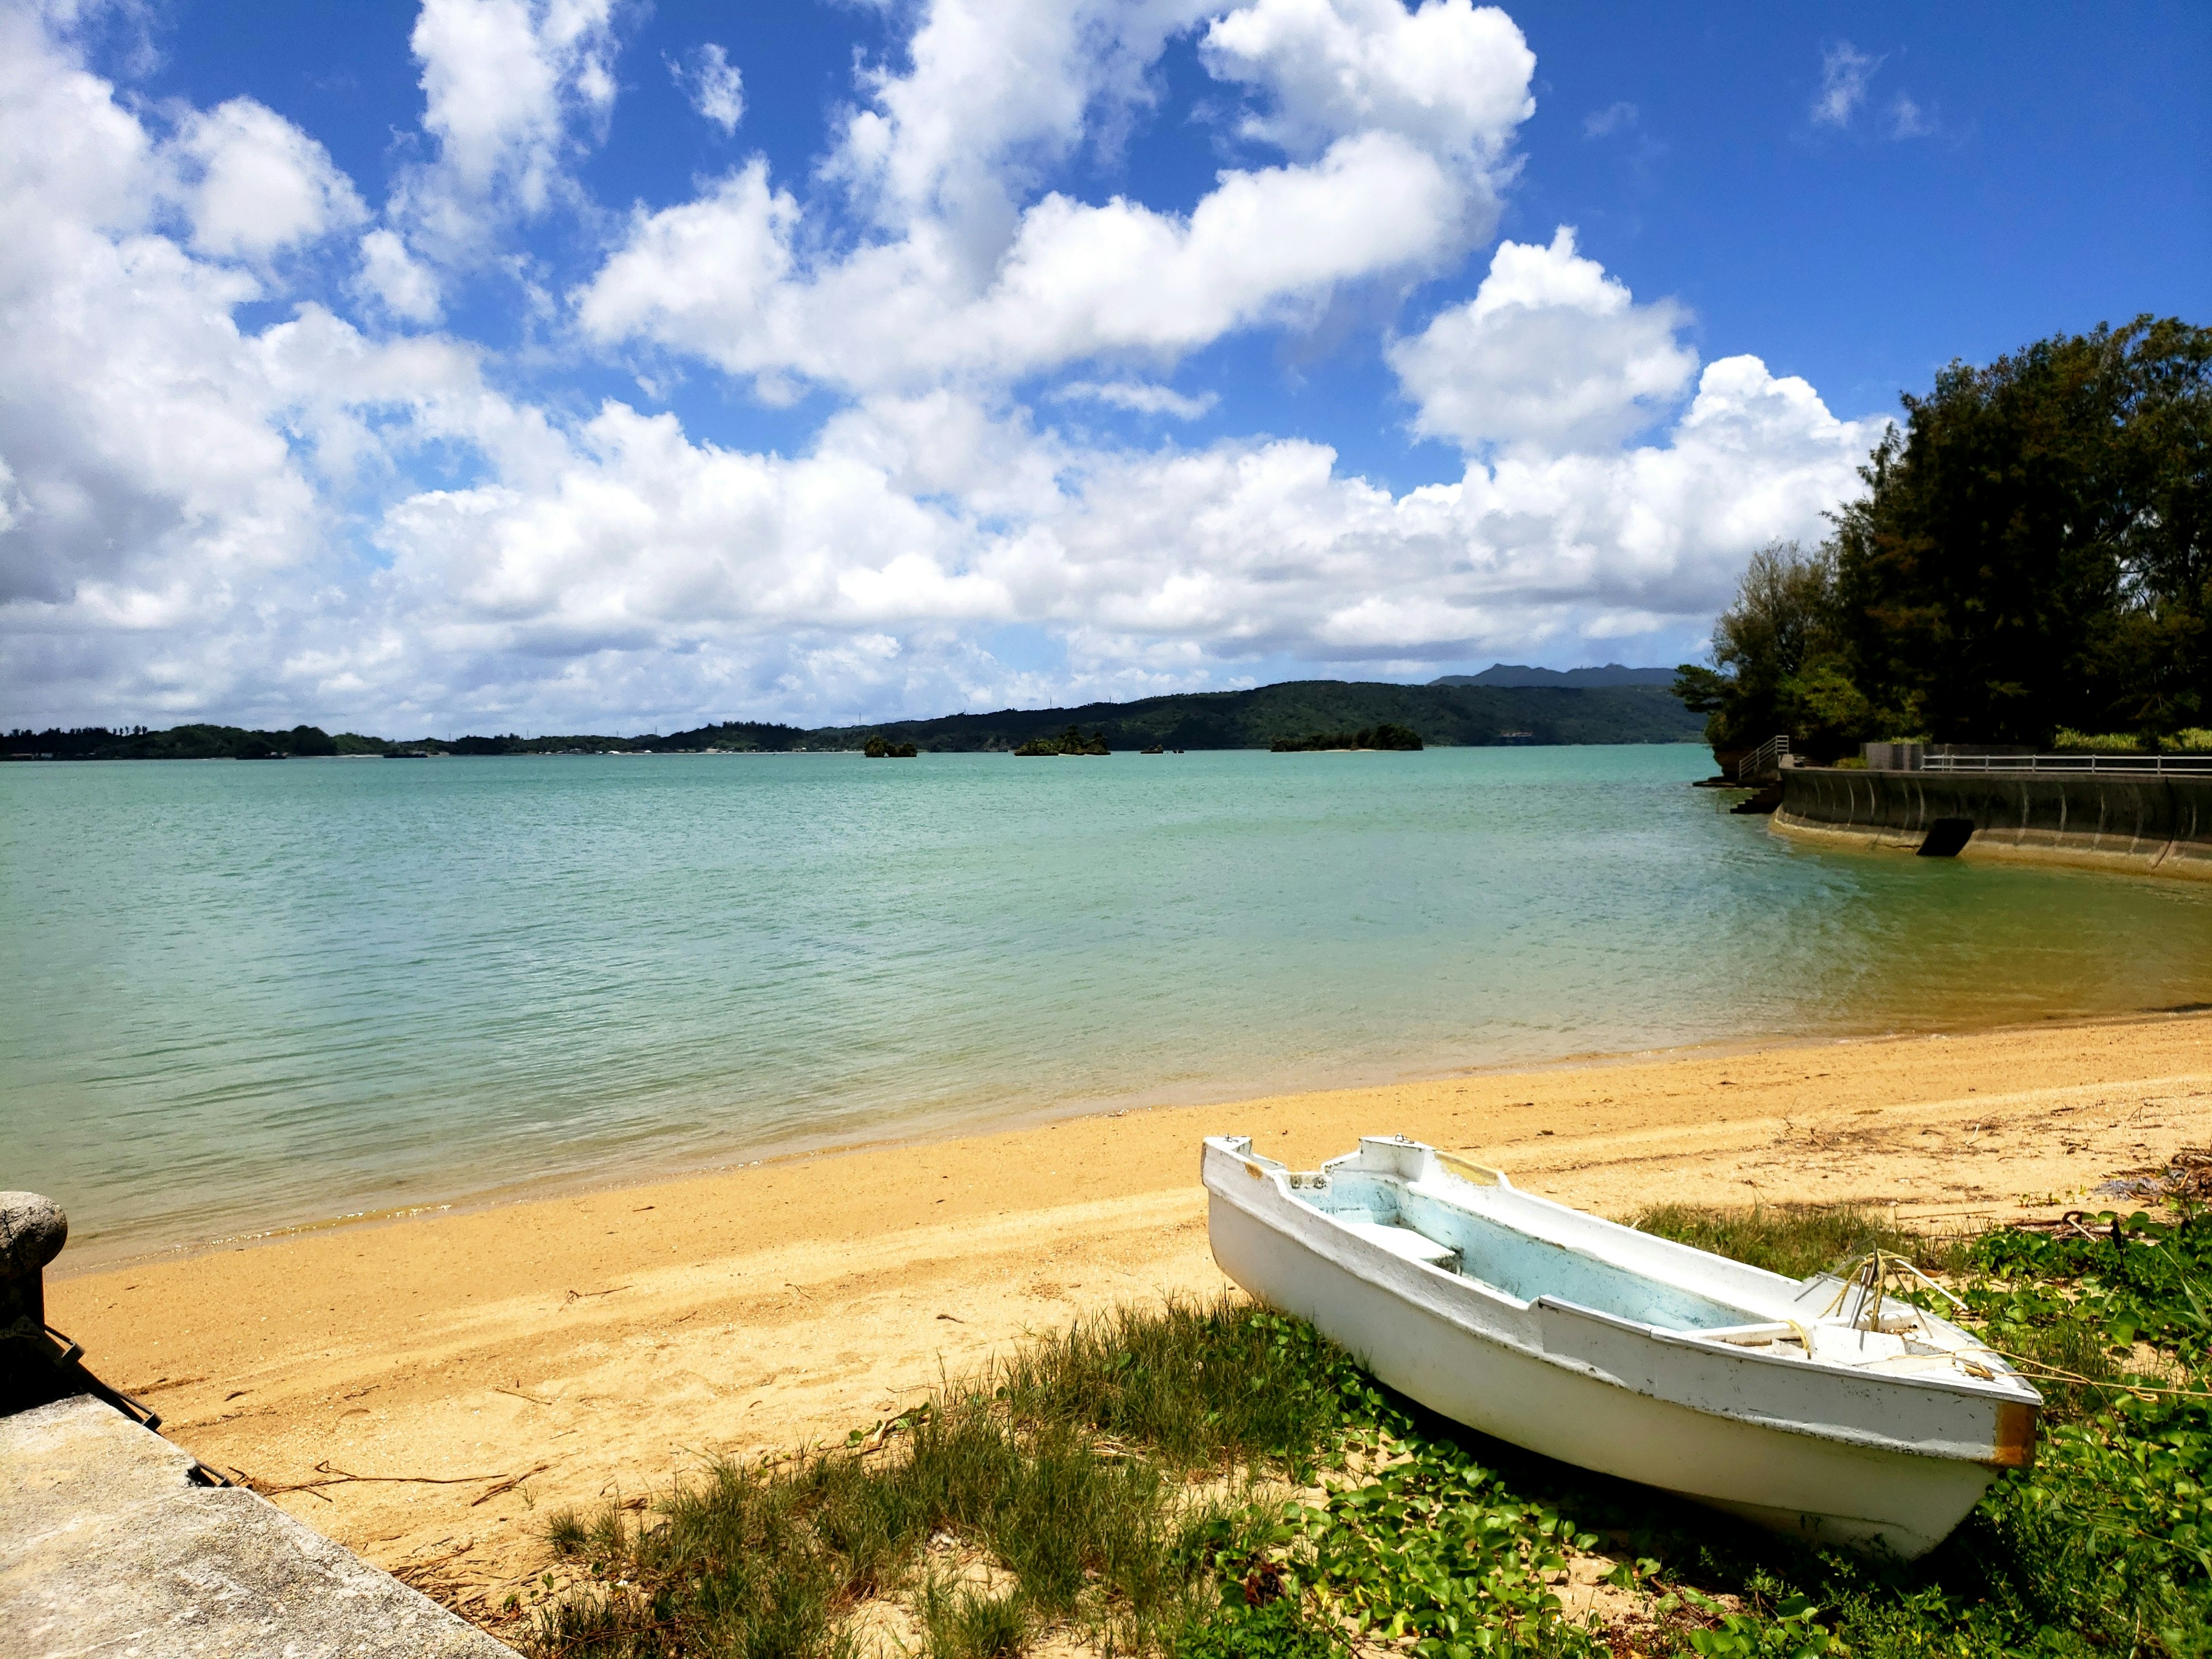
x,y
1453,713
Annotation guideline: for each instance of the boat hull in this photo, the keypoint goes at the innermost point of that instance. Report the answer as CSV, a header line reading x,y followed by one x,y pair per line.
x,y
1822,1489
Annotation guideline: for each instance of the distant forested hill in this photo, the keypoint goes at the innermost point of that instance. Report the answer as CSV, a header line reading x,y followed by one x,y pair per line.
x,y
178,743
1446,716
1514,673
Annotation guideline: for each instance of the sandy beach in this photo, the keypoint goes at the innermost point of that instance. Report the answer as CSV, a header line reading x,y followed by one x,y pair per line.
x,y
487,1367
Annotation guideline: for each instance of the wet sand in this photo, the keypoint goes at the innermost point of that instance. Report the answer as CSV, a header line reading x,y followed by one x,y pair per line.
x,y
601,1344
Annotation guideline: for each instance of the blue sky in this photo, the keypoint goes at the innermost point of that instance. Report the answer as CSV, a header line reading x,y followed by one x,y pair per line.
x,y
570,363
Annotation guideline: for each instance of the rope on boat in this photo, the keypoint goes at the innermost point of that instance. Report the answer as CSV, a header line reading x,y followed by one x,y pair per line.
x,y
2036,1372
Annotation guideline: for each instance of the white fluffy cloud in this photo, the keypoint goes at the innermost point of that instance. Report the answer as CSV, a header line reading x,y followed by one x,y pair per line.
x,y
1137,397
259,184
122,420
394,279
714,87
1551,353
325,519
512,89
1449,77
720,277
1399,125
994,94
645,543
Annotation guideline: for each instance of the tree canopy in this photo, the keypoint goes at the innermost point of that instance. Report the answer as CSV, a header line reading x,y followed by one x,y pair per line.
x,y
2030,554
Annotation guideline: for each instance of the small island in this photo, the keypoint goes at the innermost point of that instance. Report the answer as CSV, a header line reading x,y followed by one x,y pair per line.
x,y
1070,742
1385,735
879,747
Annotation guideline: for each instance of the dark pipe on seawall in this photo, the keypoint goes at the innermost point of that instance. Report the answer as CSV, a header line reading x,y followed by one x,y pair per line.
x,y
1946,837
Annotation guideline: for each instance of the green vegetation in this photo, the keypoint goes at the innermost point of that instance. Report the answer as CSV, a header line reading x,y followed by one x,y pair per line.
x,y
1442,714
1217,1483
1781,663
1068,1468
230,743
1446,715
178,742
2125,742
2189,740
882,748
1070,742
2032,552
1385,735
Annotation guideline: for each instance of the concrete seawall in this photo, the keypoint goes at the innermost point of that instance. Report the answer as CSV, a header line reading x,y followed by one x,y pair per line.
x,y
2143,824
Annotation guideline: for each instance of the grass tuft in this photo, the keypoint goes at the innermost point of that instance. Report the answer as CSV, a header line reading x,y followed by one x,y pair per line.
x,y
967,1622
1071,1467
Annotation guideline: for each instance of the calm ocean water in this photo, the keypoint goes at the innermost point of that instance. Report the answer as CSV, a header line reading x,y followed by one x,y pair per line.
x,y
246,995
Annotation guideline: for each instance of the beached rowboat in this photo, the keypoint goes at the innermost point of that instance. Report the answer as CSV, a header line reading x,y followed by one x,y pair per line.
x,y
1821,1408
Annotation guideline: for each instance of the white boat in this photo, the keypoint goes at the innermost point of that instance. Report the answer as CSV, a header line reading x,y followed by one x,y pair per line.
x,y
1822,1408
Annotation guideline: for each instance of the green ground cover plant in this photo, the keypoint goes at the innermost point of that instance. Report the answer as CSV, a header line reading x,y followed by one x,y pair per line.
x,y
1216,1481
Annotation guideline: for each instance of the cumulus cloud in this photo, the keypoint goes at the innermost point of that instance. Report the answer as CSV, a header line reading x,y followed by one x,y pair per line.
x,y
513,89
1137,397
1845,72
1399,125
1551,352
121,420
391,278
316,517
721,277
1449,77
258,184
1242,549
991,94
712,84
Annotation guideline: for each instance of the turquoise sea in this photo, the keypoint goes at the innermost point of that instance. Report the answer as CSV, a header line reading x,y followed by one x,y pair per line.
x,y
241,996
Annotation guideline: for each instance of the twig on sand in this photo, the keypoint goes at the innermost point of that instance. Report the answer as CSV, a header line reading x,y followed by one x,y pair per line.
x,y
578,1295
507,1486
519,1395
337,1477
420,1568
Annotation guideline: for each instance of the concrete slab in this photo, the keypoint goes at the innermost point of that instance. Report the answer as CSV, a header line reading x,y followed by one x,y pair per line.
x,y
108,1547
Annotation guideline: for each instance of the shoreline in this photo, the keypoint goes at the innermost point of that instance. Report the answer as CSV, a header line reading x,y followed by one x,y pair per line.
x,y
606,1343
552,1187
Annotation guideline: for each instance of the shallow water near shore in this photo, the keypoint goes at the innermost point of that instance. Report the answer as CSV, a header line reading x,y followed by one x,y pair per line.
x,y
250,995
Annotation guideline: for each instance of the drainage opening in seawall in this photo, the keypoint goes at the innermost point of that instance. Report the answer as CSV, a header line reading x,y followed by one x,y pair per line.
x,y
1946,837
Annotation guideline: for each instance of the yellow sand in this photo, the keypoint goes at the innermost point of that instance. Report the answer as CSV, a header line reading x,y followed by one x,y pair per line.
x,y
612,1340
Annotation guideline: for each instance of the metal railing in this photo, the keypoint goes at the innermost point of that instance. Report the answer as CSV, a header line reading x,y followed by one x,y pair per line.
x,y
2199,765
1764,762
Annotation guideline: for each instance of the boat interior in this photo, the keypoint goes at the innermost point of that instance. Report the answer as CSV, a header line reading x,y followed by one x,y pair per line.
x,y
1817,1322
1420,1227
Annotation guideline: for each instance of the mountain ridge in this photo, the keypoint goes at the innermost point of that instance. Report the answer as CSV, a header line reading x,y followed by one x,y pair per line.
x,y
1521,676
1446,716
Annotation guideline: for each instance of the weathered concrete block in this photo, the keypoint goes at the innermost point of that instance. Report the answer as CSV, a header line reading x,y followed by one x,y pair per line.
x,y
108,1546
